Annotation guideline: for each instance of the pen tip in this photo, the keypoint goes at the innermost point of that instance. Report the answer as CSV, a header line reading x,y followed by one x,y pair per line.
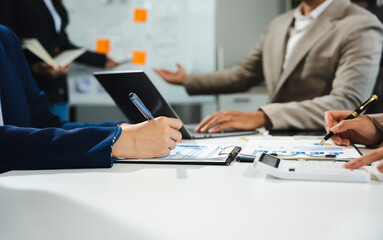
x,y
322,141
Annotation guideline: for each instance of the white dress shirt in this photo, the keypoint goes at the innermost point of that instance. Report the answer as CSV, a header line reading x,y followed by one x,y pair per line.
x,y
56,17
300,27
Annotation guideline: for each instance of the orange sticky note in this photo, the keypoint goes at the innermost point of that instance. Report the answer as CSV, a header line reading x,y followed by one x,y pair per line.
x,y
140,15
102,46
139,57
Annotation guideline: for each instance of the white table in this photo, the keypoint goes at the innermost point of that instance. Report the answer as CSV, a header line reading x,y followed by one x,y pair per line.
x,y
177,202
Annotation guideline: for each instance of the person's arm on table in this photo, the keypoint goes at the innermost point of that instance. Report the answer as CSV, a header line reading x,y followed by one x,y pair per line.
x,y
237,79
56,148
222,120
361,130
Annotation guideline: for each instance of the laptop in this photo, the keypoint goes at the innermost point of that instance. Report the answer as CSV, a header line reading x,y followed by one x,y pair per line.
x,y
120,84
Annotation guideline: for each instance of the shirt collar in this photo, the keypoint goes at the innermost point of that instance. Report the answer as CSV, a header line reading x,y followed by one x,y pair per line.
x,y
314,14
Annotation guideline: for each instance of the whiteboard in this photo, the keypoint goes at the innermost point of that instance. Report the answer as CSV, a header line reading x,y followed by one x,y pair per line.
x,y
175,31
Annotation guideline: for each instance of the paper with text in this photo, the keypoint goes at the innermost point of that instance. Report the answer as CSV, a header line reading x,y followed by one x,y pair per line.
x,y
189,154
290,146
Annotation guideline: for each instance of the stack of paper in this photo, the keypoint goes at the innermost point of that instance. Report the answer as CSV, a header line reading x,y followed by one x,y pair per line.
x,y
202,154
63,59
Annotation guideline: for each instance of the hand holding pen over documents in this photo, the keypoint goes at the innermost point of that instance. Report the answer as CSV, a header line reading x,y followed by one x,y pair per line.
x,y
351,115
153,138
360,130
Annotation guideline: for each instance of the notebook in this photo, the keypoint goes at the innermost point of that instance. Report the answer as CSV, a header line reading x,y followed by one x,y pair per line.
x,y
63,59
120,84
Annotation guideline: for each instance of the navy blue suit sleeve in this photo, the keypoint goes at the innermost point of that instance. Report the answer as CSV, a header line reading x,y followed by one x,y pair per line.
x,y
72,125
31,138
55,148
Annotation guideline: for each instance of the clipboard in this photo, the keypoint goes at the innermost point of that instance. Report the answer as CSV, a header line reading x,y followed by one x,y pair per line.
x,y
193,155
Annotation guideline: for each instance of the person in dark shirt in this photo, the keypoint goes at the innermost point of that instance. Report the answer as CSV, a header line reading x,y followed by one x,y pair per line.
x,y
46,20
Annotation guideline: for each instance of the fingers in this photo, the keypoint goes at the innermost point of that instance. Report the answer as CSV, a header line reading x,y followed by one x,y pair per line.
x,y
172,145
334,117
164,74
380,167
180,68
340,141
110,63
175,135
172,132
345,125
375,155
172,122
220,127
209,122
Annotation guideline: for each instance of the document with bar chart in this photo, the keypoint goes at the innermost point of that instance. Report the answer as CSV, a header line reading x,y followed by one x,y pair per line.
x,y
194,154
291,146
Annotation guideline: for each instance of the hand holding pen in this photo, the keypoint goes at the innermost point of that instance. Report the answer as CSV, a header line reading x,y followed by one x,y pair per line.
x,y
149,139
359,130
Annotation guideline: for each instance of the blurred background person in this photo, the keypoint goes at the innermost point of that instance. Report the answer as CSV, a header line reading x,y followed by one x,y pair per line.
x,y
46,20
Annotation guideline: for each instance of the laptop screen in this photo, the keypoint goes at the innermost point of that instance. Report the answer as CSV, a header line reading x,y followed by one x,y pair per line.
x,y
120,84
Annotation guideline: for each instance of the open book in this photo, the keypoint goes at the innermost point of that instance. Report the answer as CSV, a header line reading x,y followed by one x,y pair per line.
x,y
63,59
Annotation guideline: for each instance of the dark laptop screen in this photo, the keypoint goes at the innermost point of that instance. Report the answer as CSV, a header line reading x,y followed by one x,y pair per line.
x,y
120,84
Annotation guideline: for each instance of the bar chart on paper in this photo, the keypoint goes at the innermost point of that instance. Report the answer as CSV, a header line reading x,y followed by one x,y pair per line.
x,y
305,146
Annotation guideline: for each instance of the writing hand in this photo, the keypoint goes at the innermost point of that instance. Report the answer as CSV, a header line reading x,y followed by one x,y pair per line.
x,y
149,139
358,130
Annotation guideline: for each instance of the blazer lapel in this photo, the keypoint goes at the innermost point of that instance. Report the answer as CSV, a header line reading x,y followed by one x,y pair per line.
x,y
279,50
48,15
315,32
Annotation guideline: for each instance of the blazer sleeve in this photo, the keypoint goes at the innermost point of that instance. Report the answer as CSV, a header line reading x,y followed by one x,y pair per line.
x,y
355,75
55,148
377,119
44,145
89,57
237,79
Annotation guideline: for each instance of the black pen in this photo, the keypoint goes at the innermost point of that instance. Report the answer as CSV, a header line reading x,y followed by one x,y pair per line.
x,y
354,114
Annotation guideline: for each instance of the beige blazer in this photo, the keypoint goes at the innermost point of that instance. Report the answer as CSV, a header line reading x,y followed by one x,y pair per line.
x,y
334,66
377,119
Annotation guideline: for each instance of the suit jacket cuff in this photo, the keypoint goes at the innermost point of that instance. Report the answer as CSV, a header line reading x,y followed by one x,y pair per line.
x,y
377,119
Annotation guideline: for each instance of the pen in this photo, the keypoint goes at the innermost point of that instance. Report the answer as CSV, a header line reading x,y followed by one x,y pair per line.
x,y
140,105
353,115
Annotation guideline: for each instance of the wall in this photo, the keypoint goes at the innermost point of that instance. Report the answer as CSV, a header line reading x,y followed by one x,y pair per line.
x,y
239,25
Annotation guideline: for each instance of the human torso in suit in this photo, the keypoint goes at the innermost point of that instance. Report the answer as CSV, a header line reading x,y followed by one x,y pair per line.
x,y
32,19
333,66
33,138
